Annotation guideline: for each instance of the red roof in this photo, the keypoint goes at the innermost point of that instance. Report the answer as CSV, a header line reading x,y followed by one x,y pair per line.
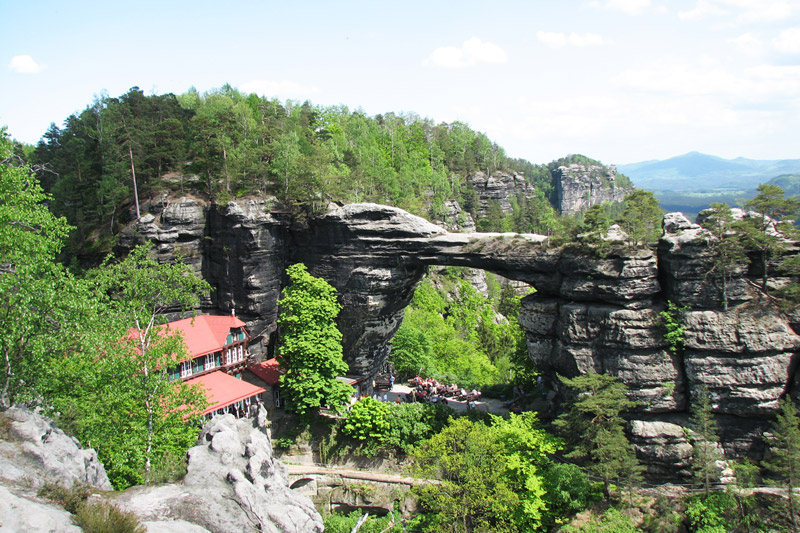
x,y
223,389
205,334
268,371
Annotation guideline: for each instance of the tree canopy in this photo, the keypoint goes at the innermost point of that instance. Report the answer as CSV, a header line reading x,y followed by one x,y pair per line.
x,y
310,348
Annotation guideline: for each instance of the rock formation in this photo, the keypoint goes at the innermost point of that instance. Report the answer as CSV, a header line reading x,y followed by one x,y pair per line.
x,y
500,187
579,187
590,312
35,453
233,484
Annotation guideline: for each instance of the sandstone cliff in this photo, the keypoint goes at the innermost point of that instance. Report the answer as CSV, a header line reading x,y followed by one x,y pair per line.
x,y
589,312
579,187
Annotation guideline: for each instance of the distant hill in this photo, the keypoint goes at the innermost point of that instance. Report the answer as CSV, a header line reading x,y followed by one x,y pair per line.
x,y
790,183
701,172
691,182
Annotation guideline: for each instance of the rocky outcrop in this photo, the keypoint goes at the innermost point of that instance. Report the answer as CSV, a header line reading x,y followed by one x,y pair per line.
x,y
35,453
233,484
579,187
500,187
591,311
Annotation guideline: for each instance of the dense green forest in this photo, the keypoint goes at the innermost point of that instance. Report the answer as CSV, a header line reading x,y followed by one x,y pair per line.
x,y
117,153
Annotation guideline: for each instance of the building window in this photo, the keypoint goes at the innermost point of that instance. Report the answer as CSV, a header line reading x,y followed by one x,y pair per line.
x,y
211,361
174,373
198,365
186,369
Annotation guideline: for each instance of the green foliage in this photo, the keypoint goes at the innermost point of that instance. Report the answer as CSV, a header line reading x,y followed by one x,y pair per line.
x,y
612,521
490,475
103,517
594,428
123,404
673,326
641,218
70,498
35,293
567,491
718,513
705,452
344,523
452,333
783,461
726,246
775,212
411,423
310,350
368,420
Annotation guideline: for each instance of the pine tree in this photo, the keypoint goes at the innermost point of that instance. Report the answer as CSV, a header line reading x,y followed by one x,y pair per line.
x,y
594,427
784,454
705,441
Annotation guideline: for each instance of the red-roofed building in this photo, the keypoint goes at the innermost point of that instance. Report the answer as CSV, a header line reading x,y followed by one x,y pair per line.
x,y
213,343
216,355
225,392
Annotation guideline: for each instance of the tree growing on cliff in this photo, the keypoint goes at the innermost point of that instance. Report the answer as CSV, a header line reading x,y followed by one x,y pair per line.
x,y
641,218
784,454
705,450
594,428
765,233
726,246
310,351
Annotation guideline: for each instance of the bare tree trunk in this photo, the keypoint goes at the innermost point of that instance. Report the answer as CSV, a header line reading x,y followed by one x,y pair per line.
x,y
133,177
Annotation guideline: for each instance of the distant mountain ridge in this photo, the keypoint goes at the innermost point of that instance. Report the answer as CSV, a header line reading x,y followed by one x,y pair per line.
x,y
695,171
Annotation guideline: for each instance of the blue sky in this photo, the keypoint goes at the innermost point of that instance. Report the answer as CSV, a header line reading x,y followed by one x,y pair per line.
x,y
617,80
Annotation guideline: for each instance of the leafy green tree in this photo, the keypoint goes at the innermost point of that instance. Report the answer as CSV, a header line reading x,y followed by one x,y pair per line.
x,y
705,450
138,292
490,475
368,420
310,351
784,455
32,306
641,218
411,423
726,247
594,428
764,233
673,326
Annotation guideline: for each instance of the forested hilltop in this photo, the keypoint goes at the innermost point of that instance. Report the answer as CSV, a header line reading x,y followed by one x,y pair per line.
x,y
119,152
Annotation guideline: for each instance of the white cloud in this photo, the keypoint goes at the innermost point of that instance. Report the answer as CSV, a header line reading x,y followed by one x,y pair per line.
x,y
471,52
788,41
746,11
630,7
559,40
703,9
552,39
748,44
25,64
280,89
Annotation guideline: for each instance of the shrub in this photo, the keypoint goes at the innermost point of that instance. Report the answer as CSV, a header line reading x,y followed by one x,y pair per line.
x,y
70,498
102,517
411,423
368,420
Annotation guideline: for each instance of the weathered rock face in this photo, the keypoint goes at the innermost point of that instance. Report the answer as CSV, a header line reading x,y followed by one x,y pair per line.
x,y
589,312
500,187
579,187
33,453
233,484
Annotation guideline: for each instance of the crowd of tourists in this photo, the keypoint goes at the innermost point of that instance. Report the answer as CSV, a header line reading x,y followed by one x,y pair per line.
x,y
430,390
